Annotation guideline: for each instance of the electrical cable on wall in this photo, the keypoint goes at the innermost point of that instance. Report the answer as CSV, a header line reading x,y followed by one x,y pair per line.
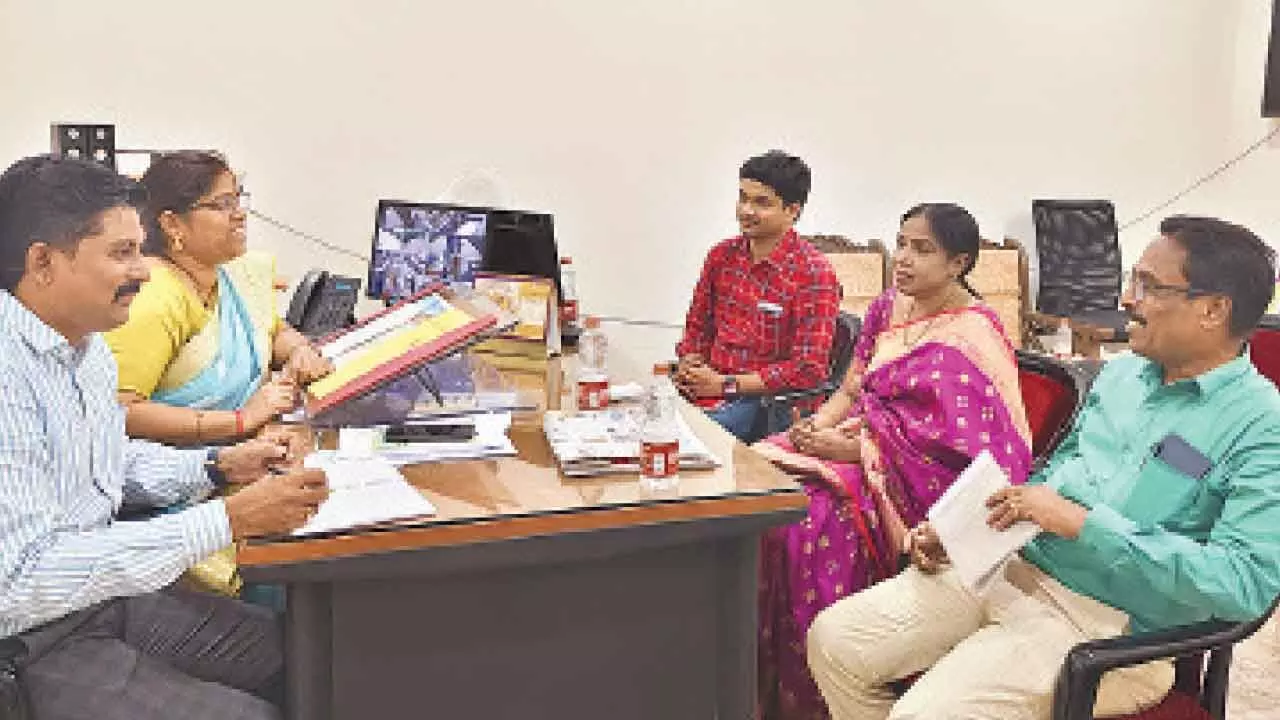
x,y
1196,185
1204,180
315,240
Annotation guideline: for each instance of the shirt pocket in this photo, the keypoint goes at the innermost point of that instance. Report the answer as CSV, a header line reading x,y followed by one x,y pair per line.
x,y
1162,495
772,323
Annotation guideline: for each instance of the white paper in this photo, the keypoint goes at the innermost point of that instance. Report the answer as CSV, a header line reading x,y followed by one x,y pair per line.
x,y
362,492
626,392
608,441
977,551
490,440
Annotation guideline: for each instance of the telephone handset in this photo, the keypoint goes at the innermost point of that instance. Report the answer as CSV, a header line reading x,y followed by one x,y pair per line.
x,y
323,303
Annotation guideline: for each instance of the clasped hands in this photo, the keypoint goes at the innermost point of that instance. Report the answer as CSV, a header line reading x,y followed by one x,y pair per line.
x,y
1038,504
695,378
841,442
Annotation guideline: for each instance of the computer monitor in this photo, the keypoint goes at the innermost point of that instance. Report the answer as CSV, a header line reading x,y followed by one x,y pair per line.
x,y
522,243
416,244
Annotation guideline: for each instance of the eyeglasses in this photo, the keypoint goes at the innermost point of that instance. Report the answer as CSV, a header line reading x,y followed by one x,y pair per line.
x,y
223,203
1141,288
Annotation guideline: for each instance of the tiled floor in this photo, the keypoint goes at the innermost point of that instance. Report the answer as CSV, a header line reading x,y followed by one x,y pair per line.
x,y
1255,694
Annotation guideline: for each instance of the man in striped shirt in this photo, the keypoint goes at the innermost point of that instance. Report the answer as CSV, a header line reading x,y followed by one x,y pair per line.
x,y
87,610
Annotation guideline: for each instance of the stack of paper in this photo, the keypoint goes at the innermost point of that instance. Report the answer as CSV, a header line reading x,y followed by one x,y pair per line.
x,y
490,440
976,550
608,441
362,492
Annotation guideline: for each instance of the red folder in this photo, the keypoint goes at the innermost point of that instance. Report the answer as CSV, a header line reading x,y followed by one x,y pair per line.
x,y
484,322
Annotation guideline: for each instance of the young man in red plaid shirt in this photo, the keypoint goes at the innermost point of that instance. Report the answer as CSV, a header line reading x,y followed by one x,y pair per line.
x,y
764,309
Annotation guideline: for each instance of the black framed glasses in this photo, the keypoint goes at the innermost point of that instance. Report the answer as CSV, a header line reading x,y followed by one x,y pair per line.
x,y
1142,288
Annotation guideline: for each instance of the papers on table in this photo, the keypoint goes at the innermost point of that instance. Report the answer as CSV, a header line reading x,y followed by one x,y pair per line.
x,y
490,440
362,492
977,552
626,392
608,441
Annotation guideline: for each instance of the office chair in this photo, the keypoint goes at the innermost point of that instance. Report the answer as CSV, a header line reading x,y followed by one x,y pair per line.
x,y
1200,688
1053,394
777,408
1078,246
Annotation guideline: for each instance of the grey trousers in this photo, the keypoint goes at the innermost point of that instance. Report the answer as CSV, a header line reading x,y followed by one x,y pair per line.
x,y
172,654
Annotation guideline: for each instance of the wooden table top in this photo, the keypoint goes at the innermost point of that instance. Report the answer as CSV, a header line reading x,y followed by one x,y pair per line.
x,y
527,495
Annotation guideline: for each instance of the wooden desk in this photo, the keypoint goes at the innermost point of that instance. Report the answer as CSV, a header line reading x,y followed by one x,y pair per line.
x,y
533,595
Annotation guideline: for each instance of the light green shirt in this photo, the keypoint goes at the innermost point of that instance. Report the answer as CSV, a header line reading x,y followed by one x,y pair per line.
x,y
1165,548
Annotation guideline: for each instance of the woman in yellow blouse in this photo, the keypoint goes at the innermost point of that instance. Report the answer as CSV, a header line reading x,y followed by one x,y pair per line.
x,y
203,334
196,356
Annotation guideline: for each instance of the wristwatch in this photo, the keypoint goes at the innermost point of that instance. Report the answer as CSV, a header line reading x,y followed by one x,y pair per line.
x,y
215,473
730,386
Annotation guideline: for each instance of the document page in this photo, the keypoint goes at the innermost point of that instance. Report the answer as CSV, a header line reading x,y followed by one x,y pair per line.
x,y
362,492
978,552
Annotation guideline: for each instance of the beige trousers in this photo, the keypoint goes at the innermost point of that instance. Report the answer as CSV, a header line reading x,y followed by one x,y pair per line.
x,y
991,656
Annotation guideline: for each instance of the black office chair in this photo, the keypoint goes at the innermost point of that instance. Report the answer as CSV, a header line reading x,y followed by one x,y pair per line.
x,y
777,408
1200,687
1078,247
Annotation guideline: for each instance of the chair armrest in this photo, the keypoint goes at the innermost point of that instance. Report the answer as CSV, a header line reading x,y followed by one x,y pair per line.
x,y
1077,686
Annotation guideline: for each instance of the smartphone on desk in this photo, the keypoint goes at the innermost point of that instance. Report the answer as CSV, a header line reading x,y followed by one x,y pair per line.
x,y
434,432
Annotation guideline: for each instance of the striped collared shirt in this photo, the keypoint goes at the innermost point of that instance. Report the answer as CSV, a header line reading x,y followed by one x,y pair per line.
x,y
66,467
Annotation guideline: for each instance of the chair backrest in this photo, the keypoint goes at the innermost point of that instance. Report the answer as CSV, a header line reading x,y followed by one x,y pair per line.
x,y
1078,247
1052,394
848,326
1264,348
1000,277
860,268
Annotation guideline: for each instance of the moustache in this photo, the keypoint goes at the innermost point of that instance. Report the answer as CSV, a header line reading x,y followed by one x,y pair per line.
x,y
129,288
1138,319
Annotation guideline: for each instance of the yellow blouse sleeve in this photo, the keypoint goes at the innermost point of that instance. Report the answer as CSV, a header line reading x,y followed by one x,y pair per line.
x,y
161,320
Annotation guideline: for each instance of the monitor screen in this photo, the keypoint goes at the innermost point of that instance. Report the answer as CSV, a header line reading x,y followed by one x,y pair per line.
x,y
522,243
415,244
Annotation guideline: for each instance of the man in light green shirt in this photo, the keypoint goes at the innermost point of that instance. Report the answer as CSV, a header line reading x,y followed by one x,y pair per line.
x,y
1161,508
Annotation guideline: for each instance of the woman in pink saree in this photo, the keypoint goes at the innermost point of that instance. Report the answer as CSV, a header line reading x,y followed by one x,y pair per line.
x,y
933,383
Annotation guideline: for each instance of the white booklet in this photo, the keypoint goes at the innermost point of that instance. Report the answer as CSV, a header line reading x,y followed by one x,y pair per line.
x,y
362,492
977,551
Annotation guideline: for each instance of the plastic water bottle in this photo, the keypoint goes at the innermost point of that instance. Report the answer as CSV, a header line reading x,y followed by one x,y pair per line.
x,y
1062,339
593,367
660,435
568,292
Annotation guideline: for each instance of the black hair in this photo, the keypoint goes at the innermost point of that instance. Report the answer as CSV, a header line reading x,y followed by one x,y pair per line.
x,y
785,174
174,183
54,200
1226,259
955,230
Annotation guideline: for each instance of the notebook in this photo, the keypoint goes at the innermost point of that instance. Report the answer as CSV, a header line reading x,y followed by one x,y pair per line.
x,y
363,492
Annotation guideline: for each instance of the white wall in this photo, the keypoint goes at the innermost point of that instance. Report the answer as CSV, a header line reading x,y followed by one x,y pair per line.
x,y
1250,193
628,120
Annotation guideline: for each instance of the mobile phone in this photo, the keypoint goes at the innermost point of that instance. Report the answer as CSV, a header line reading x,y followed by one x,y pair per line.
x,y
1182,456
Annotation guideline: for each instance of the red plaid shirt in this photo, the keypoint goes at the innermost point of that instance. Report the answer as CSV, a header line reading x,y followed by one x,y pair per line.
x,y
775,317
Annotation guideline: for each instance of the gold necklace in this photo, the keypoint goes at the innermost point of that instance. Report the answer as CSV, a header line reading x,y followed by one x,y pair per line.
x,y
927,326
204,296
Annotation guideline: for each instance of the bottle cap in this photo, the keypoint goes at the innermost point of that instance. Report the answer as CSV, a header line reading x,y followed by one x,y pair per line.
x,y
591,322
566,260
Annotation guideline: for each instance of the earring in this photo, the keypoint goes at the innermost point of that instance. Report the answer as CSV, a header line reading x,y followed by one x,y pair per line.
x,y
177,243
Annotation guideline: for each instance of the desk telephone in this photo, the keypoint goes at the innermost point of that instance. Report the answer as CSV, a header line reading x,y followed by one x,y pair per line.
x,y
323,303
